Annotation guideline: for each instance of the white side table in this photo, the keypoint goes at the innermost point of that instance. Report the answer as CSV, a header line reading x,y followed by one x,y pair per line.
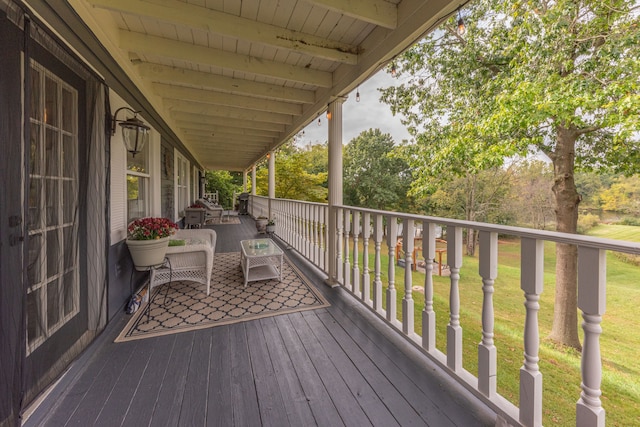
x,y
260,259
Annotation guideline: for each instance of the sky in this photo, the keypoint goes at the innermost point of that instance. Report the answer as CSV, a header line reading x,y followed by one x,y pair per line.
x,y
357,117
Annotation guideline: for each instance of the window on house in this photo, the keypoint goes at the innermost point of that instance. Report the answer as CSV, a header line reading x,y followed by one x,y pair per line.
x,y
53,258
138,184
182,183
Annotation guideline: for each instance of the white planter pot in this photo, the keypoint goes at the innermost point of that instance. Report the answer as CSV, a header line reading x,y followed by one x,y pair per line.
x,y
261,225
271,229
147,253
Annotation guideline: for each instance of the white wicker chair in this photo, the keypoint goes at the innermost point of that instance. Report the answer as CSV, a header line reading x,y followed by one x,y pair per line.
x,y
193,261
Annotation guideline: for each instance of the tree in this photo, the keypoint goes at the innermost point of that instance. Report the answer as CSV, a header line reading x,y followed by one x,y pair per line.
x,y
559,77
373,177
475,197
294,179
225,183
533,199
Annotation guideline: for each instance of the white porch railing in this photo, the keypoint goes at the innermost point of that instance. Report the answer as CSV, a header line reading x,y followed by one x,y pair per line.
x,y
304,226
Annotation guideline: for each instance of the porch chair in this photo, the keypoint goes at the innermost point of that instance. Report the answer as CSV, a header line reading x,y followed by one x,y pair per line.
x,y
193,261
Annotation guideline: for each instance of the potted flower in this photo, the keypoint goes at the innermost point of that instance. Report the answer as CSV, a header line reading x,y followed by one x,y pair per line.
x,y
148,239
271,226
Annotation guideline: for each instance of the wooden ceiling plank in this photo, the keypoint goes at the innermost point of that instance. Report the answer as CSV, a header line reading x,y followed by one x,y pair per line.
x,y
220,98
208,20
166,74
153,45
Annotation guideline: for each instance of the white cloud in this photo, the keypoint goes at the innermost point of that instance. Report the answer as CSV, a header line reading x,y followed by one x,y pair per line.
x,y
357,117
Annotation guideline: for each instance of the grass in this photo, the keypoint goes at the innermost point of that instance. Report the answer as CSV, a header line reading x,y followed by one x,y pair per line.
x,y
620,340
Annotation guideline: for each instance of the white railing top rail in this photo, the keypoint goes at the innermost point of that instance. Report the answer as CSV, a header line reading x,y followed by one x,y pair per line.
x,y
554,236
301,202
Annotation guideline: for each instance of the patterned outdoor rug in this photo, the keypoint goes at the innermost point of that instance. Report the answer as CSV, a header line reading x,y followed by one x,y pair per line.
x,y
188,307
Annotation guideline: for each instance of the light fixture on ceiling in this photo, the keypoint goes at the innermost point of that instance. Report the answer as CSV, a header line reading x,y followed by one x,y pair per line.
x,y
394,71
461,27
328,113
358,94
135,133
319,122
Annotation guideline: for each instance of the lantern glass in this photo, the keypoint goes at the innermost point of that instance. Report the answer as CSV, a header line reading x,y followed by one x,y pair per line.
x,y
135,135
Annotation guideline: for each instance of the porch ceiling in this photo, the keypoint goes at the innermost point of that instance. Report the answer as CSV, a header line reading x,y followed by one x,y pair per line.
x,y
233,79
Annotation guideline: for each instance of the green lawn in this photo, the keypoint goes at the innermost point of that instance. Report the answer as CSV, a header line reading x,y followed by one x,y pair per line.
x,y
620,340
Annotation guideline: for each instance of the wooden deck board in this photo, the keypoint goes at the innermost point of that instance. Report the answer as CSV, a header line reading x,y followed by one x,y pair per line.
x,y
296,404
220,405
169,402
332,366
144,400
345,402
243,392
271,403
324,411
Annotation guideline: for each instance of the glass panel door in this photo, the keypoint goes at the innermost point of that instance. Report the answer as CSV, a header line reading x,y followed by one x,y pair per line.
x,y
53,259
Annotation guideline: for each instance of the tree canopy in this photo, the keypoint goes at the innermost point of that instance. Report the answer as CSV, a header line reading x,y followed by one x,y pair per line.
x,y
373,177
558,77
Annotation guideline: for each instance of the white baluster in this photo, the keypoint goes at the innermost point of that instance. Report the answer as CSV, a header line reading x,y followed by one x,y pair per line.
x,y
531,282
454,331
377,281
428,315
339,245
392,239
347,265
366,280
407,301
325,238
592,280
355,276
316,237
487,353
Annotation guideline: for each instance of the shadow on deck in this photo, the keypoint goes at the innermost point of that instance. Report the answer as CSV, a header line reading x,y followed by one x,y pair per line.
x,y
339,365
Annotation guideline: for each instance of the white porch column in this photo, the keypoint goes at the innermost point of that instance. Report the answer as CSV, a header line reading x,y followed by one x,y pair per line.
x,y
253,180
272,180
244,181
272,174
335,185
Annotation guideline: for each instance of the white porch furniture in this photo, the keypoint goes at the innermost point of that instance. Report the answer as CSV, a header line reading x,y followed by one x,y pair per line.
x,y
211,210
194,217
193,261
260,259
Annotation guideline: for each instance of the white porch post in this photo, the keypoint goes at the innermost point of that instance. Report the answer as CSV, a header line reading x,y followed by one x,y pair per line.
x,y
272,179
335,186
253,180
244,181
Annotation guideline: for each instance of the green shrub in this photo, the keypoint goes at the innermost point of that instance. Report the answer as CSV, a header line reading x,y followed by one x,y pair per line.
x,y
586,222
630,221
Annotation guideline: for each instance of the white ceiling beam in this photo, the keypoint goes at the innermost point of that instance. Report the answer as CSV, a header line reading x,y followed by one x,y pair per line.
x,y
197,121
378,12
165,74
239,145
188,131
201,18
219,98
178,105
152,45
222,137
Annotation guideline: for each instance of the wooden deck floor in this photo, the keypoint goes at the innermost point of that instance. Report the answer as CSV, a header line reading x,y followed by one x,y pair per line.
x,y
328,367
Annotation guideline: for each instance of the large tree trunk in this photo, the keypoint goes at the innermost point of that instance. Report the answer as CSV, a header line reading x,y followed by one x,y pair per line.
x,y
565,312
